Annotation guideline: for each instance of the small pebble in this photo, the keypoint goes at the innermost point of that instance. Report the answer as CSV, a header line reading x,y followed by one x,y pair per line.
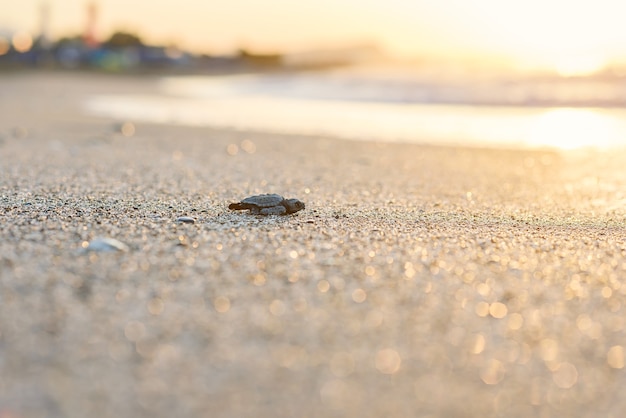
x,y
106,245
185,220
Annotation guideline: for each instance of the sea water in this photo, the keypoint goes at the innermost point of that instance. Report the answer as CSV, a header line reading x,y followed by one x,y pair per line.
x,y
385,106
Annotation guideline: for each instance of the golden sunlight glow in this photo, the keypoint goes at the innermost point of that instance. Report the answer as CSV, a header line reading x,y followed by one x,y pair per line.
x,y
574,128
579,65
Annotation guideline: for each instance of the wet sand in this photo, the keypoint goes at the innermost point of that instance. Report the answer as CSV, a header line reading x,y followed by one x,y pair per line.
x,y
419,281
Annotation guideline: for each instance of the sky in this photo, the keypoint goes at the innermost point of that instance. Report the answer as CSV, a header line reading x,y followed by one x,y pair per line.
x,y
567,35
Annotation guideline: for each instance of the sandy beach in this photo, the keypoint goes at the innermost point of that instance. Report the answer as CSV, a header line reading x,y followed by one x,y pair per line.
x,y
420,281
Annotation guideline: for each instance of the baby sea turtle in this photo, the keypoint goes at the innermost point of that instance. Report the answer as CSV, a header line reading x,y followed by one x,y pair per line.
x,y
268,204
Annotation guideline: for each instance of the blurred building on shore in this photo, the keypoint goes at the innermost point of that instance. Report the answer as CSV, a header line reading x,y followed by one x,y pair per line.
x,y
124,51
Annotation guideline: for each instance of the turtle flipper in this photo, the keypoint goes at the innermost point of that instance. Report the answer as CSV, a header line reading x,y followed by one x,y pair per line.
x,y
240,206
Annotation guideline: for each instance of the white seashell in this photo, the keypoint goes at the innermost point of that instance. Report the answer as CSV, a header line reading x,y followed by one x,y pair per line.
x,y
106,245
185,220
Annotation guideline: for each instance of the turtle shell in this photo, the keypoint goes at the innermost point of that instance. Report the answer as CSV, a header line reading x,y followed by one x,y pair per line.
x,y
264,200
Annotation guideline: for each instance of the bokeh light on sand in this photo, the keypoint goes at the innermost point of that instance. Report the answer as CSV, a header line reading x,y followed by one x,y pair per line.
x,y
127,129
388,361
482,309
156,306
359,295
479,344
493,372
248,146
323,286
515,321
221,304
615,357
232,149
277,307
498,310
549,349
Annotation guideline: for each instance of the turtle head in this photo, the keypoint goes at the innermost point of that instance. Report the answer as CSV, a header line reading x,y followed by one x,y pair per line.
x,y
293,205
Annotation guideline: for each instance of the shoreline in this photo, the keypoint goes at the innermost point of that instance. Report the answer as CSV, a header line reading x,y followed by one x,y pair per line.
x,y
288,105
419,280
